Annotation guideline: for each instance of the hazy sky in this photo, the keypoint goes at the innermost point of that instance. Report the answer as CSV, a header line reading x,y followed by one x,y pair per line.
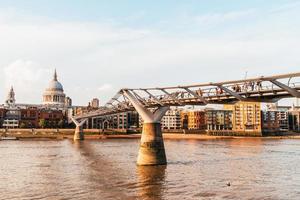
x,y
99,46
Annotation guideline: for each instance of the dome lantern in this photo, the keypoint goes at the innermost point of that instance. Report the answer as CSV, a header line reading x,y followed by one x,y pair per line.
x,y
55,76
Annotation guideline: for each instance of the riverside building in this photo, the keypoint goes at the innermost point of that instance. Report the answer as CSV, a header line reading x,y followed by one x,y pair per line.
x,y
193,120
120,121
171,120
283,118
246,118
218,120
270,121
282,115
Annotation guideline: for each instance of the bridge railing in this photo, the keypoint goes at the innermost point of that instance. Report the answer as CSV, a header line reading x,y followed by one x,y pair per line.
x,y
215,91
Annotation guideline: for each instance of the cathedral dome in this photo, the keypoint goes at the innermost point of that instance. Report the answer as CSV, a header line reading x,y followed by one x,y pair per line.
x,y
55,85
54,94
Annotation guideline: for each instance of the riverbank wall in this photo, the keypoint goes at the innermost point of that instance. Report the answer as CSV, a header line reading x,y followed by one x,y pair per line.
x,y
100,134
60,131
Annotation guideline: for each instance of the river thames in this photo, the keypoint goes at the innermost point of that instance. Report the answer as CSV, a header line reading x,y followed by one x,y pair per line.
x,y
243,168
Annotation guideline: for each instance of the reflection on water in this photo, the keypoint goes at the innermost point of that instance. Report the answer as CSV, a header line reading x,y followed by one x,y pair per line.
x,y
106,169
150,181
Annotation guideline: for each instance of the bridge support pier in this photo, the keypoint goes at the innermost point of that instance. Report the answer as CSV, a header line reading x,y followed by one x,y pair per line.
x,y
78,135
152,150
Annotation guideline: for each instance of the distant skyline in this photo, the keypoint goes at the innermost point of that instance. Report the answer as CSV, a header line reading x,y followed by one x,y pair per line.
x,y
99,46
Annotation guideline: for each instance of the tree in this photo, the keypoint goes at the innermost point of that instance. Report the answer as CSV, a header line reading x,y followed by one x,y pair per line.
x,y
54,124
51,124
61,123
42,123
23,125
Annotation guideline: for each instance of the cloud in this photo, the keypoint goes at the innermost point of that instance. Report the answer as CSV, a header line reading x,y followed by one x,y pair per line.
x,y
218,18
91,57
27,78
105,87
285,7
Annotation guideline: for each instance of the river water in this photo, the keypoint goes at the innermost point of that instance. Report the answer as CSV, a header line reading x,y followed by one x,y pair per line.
x,y
105,169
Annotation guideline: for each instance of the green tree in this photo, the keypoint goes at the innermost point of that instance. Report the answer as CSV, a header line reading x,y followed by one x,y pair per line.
x,y
61,123
54,124
42,123
51,124
23,125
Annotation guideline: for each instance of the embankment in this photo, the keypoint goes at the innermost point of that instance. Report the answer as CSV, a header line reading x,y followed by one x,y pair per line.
x,y
98,134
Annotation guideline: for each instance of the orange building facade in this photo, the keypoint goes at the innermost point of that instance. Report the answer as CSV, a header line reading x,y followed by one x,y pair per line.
x,y
193,120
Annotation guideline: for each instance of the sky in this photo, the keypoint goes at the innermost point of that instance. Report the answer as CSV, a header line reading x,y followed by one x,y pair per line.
x,y
101,46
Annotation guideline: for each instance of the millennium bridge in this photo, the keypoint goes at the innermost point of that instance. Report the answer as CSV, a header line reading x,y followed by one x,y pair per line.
x,y
153,103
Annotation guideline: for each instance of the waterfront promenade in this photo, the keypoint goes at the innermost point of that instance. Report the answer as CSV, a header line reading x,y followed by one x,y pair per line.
x,y
94,134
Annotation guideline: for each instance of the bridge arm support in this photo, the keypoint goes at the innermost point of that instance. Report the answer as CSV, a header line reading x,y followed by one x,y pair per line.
x,y
152,150
79,135
195,95
171,96
154,98
290,90
235,94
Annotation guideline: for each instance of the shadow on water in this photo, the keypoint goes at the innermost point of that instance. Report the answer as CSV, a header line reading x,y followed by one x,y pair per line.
x,y
151,181
148,184
102,173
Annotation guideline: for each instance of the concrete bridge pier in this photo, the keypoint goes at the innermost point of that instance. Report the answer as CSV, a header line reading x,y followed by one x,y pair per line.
x,y
78,135
152,150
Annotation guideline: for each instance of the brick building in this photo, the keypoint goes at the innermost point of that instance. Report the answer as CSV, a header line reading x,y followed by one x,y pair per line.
x,y
193,120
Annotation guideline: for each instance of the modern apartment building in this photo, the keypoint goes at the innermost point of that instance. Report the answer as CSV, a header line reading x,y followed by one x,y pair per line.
x,y
282,115
270,121
171,120
218,120
246,116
